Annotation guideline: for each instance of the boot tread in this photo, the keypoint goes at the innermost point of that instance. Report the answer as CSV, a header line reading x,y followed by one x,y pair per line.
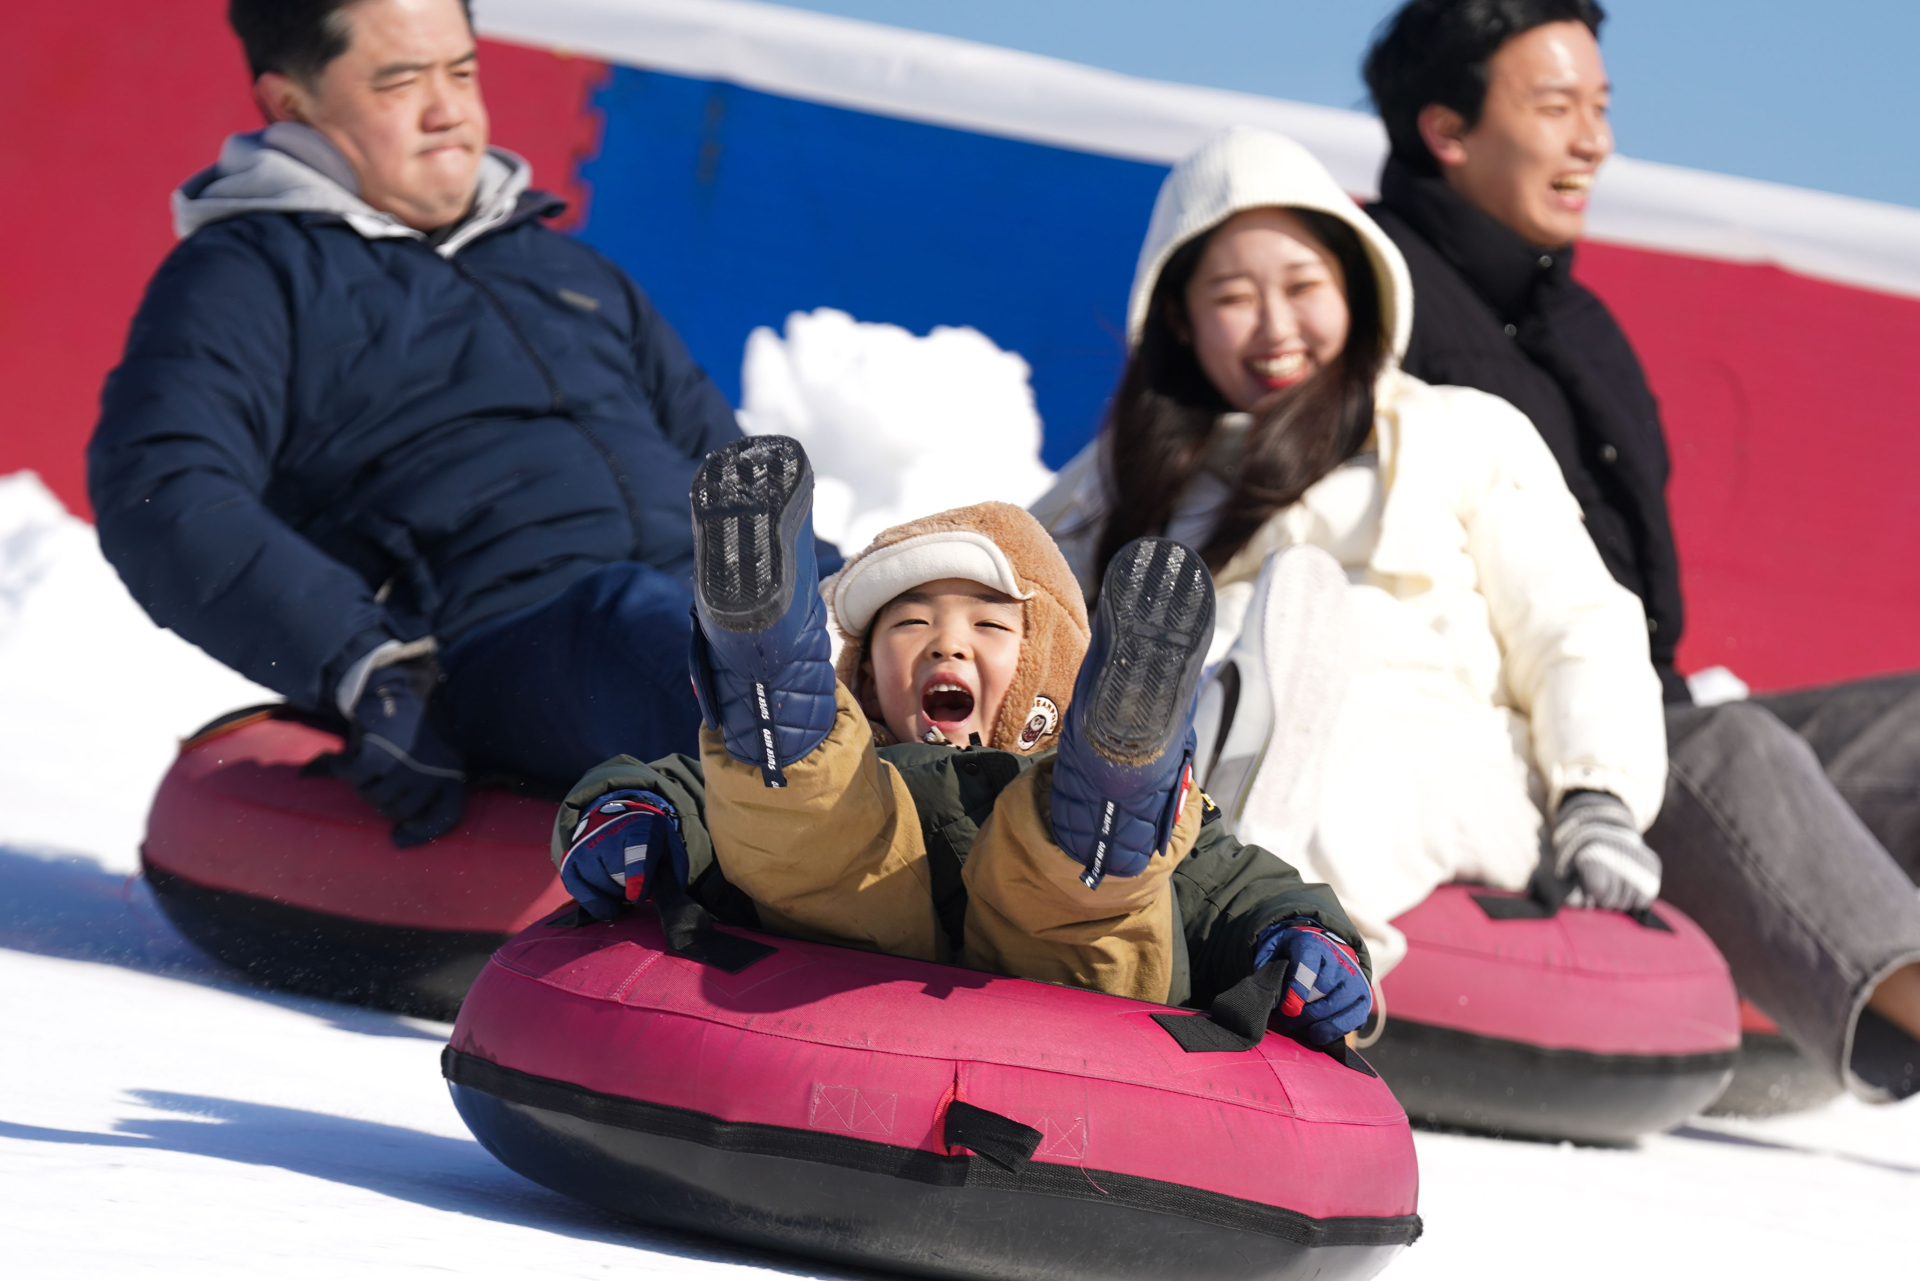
x,y
1158,599
749,500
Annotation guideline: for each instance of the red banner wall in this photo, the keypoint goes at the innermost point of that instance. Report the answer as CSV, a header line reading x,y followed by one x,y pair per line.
x,y
1789,404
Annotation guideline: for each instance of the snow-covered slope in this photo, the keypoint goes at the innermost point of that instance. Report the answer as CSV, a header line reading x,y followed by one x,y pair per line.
x,y
93,697
161,1117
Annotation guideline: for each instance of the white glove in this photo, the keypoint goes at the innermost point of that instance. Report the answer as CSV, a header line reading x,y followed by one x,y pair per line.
x,y
1597,843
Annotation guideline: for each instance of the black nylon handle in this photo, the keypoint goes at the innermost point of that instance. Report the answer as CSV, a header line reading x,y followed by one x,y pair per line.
x,y
1000,1139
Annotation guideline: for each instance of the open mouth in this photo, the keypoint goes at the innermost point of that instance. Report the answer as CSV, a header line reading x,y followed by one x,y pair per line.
x,y
946,702
1280,371
1575,186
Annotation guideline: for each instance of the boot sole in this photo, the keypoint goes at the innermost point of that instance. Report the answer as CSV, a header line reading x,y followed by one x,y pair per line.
x,y
750,500
1157,604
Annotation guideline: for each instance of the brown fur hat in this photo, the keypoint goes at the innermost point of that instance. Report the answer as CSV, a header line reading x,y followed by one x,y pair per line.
x,y
1003,547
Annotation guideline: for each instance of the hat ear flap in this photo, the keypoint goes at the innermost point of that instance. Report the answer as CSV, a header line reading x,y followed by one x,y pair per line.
x,y
855,670
1035,706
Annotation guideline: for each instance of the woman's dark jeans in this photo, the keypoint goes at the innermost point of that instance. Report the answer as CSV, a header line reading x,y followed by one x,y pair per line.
x,y
1791,833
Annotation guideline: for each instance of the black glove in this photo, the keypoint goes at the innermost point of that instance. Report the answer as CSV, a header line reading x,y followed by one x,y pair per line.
x,y
395,760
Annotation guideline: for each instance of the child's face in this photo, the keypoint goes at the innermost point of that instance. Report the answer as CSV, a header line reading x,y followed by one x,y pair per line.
x,y
943,657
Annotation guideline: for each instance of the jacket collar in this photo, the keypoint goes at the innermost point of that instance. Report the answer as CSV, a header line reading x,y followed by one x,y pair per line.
x,y
292,168
1502,268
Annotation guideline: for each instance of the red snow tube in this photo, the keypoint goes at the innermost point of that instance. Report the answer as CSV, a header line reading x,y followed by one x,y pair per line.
x,y
1593,1026
870,1110
294,879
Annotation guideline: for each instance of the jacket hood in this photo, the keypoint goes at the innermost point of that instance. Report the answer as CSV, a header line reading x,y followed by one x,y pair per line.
x,y
292,168
1005,548
1248,168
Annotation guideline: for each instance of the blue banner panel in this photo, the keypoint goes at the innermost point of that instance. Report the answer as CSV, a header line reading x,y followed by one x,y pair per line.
x,y
732,208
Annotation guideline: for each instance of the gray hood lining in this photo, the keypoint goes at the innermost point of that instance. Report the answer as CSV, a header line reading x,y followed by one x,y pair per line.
x,y
292,168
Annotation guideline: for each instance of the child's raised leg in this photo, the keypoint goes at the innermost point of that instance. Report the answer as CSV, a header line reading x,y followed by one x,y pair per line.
x,y
805,818
835,855
1069,879
1030,913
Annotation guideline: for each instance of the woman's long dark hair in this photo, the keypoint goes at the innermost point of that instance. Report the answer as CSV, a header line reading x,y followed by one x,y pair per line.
x,y
1166,407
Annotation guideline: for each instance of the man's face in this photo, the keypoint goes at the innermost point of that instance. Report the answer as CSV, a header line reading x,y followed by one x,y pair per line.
x,y
402,104
1542,135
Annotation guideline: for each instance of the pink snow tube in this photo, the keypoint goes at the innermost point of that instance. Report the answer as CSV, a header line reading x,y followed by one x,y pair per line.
x,y
293,878
1594,1026
870,1110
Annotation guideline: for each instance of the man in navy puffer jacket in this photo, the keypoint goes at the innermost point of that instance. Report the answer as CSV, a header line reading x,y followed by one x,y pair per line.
x,y
384,443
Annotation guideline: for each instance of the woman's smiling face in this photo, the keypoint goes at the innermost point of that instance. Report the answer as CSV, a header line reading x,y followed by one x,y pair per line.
x,y
1266,307
942,658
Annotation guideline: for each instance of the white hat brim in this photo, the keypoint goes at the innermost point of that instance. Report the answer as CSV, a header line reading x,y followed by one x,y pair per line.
x,y
863,588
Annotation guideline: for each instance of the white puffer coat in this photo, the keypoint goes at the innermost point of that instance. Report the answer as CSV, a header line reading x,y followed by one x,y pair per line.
x,y
1496,664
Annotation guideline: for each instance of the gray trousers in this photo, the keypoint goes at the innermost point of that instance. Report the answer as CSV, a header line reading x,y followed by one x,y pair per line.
x,y
1791,833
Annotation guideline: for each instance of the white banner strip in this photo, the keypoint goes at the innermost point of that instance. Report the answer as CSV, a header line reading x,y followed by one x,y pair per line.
x,y
963,85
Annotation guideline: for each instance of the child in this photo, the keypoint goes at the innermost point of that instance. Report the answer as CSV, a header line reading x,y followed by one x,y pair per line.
x,y
965,788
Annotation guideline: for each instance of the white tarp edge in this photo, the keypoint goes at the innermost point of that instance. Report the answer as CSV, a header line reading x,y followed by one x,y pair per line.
x,y
958,83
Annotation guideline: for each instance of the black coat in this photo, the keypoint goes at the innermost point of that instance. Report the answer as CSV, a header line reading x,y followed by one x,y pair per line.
x,y
317,442
1493,312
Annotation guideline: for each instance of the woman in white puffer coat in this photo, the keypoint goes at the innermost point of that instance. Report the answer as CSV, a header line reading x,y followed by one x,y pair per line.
x,y
1481,669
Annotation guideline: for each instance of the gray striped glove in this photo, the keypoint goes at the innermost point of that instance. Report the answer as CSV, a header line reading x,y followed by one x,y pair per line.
x,y
1597,844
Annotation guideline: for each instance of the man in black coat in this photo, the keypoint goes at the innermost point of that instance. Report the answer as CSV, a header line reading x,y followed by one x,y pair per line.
x,y
385,443
1496,112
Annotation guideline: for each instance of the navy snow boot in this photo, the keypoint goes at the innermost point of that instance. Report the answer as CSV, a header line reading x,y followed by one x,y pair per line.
x,y
761,660
1127,749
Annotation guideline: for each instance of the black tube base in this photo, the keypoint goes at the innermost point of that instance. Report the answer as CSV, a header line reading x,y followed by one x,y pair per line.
x,y
900,1209
410,971
1456,1080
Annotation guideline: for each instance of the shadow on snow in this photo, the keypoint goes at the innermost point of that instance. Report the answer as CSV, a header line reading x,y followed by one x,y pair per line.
x,y
64,905
431,1170
1700,1135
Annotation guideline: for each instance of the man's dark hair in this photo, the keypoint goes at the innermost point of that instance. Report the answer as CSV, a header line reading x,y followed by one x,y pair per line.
x,y
296,38
1436,51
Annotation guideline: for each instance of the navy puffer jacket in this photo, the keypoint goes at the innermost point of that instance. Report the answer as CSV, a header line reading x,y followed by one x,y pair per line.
x,y
319,441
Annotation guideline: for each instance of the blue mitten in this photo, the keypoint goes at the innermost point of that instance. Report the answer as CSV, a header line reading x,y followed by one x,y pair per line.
x,y
1327,993
616,845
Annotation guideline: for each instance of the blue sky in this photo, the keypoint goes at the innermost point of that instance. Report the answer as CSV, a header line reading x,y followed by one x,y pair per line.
x,y
1818,95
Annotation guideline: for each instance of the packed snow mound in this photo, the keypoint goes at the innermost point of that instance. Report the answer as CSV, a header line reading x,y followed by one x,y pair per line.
x,y
94,696
897,426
